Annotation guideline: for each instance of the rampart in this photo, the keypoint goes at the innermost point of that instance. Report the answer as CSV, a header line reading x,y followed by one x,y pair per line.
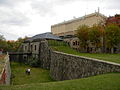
x,y
5,74
67,66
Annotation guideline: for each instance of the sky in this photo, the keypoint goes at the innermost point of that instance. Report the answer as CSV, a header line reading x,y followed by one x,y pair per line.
x,y
20,18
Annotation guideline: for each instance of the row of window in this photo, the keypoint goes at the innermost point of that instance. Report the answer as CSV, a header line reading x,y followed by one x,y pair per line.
x,y
76,43
32,47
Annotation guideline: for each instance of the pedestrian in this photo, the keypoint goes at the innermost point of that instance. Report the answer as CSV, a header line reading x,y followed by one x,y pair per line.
x,y
28,71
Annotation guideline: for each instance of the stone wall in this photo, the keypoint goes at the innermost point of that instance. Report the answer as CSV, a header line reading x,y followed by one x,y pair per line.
x,y
6,72
45,55
66,66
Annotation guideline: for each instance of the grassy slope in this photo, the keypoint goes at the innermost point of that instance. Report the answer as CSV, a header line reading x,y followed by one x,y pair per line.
x,y
38,75
100,82
107,57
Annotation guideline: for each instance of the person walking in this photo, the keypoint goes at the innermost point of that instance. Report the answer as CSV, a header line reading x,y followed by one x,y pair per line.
x,y
28,70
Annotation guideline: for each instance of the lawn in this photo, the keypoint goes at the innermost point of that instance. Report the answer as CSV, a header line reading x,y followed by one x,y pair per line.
x,y
107,57
40,79
100,82
37,75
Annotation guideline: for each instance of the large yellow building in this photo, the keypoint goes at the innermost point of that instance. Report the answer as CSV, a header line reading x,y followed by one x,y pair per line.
x,y
67,29
70,27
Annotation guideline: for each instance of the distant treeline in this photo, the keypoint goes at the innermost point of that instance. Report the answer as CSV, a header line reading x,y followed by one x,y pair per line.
x,y
10,45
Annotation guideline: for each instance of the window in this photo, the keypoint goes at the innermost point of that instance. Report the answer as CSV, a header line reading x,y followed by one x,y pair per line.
x,y
35,47
25,47
31,47
73,43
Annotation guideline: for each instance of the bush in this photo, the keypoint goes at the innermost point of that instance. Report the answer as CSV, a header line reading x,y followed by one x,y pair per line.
x,y
33,62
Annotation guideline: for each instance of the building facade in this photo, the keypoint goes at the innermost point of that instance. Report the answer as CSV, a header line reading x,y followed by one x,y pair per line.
x,y
31,48
70,27
67,29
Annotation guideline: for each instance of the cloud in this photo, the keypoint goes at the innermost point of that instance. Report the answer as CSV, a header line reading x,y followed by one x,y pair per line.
x,y
8,35
10,3
61,2
9,15
109,4
12,17
23,17
46,7
42,7
113,4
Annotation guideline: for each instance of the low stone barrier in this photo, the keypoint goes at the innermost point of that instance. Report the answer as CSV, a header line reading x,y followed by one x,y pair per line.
x,y
6,72
66,66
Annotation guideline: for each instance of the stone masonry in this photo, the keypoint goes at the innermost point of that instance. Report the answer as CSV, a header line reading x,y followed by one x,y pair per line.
x,y
6,72
66,66
45,55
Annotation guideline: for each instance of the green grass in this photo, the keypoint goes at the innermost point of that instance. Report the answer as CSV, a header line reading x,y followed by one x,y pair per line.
x,y
37,75
107,57
40,79
100,82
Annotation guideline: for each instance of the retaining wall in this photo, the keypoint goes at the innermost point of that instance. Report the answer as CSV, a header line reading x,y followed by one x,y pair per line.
x,y
66,66
6,72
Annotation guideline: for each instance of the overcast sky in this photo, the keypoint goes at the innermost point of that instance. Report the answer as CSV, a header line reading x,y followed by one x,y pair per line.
x,y
19,18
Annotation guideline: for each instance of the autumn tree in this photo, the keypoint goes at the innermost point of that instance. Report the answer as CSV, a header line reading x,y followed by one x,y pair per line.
x,y
96,34
82,34
112,36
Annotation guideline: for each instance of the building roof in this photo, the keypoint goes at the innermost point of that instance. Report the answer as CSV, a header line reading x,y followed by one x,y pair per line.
x,y
80,18
48,36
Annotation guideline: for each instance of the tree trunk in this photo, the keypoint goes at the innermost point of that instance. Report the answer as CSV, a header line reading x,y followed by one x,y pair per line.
x,y
112,50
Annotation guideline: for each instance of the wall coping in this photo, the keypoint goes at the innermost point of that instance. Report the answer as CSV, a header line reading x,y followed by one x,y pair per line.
x,y
92,59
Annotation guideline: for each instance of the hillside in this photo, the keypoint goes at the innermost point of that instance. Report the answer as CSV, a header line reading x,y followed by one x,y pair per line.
x,y
100,82
62,47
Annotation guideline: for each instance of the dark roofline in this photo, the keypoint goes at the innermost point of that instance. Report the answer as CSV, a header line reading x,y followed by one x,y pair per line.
x,y
46,36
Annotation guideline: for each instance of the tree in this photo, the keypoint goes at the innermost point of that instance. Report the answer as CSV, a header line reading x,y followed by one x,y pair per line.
x,y
112,32
82,34
10,45
96,33
2,37
19,43
3,43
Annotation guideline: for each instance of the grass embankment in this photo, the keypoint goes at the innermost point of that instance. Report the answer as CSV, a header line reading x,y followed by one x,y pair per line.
x,y
107,57
37,75
100,82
